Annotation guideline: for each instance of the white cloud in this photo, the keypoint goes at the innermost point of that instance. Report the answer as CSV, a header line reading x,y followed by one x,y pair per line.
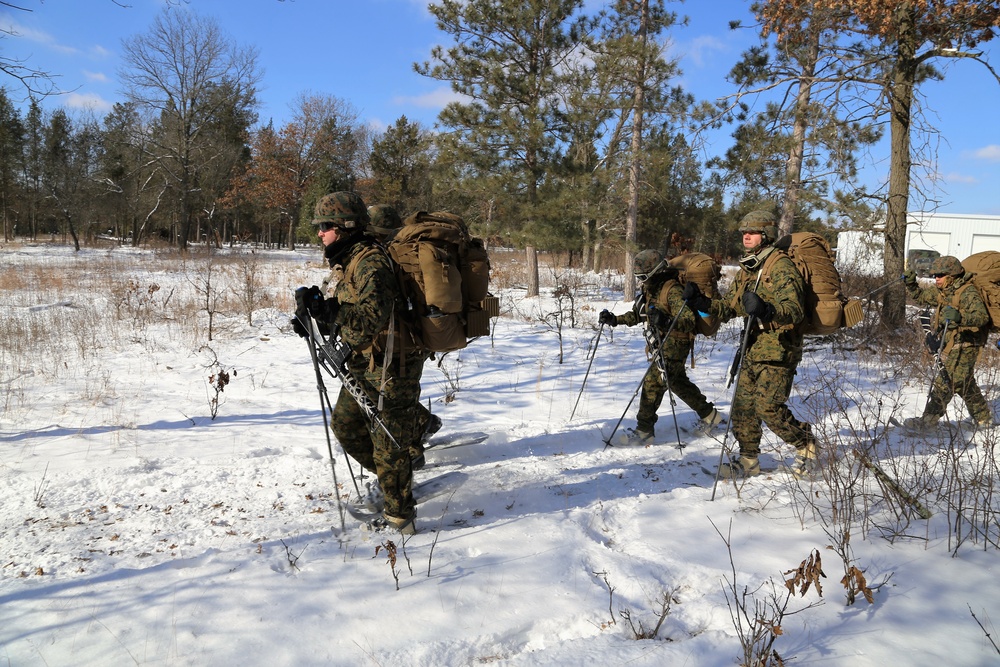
x,y
698,49
89,101
991,153
19,31
436,99
100,77
955,177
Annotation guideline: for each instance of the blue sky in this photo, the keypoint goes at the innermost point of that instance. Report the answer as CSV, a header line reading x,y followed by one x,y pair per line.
x,y
363,51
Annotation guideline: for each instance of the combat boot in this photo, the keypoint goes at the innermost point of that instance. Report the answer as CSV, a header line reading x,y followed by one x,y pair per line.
x,y
389,523
636,437
433,426
740,467
806,464
707,424
919,425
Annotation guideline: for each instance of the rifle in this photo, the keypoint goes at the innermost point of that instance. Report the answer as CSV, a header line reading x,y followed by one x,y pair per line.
x,y
332,355
938,363
749,332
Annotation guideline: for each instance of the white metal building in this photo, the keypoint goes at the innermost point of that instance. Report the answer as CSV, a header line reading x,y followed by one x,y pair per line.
x,y
928,235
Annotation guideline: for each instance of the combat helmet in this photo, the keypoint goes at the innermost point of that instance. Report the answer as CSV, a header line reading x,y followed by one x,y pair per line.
x,y
647,263
383,220
946,266
342,209
761,222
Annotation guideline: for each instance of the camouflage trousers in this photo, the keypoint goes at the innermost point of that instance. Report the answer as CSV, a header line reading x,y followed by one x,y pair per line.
x,y
958,376
368,444
420,414
761,393
654,388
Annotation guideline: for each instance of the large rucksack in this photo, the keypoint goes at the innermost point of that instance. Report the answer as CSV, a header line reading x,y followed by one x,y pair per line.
x,y
444,274
703,271
826,307
985,267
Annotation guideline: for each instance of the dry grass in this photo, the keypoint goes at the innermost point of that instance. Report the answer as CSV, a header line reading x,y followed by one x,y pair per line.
x,y
60,311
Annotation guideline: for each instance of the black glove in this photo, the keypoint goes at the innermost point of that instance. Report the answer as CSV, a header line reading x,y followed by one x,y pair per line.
x,y
933,343
309,301
299,328
909,277
657,318
607,318
951,314
757,307
695,299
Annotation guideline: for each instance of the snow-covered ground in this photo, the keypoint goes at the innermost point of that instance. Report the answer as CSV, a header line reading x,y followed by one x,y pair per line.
x,y
137,529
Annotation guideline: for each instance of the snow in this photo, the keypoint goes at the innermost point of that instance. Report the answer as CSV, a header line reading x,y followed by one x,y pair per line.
x,y
137,529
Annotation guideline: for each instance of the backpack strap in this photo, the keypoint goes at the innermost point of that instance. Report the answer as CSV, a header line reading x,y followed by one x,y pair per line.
x,y
663,300
765,274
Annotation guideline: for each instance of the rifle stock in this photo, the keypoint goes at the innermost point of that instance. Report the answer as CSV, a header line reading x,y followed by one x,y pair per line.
x,y
333,353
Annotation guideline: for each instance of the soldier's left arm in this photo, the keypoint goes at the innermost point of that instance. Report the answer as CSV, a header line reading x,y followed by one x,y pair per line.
x,y
788,292
673,304
377,290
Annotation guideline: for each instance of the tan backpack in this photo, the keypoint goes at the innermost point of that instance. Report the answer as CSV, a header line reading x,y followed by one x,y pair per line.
x,y
703,271
444,274
985,267
826,307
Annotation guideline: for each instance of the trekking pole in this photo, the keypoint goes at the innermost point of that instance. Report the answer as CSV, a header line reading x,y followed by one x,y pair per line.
x,y
607,441
736,364
662,367
879,289
324,404
314,337
593,354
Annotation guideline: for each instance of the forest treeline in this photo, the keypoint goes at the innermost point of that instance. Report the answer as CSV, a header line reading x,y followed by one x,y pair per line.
x,y
570,131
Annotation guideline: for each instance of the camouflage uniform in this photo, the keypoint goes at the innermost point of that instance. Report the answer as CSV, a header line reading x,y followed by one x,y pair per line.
x,y
962,343
773,352
383,224
365,287
663,292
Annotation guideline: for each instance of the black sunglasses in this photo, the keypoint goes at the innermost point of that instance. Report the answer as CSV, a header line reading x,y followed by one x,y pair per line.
x,y
326,226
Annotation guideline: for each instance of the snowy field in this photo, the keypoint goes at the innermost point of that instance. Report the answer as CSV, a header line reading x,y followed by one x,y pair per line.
x,y
138,529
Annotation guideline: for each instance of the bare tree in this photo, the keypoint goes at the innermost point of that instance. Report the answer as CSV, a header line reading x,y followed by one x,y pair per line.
x,y
183,74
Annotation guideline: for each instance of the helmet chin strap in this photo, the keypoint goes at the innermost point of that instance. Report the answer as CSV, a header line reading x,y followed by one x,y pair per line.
x,y
755,258
656,268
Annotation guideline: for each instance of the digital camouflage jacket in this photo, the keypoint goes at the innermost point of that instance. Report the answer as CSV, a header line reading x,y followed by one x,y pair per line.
x,y
780,284
367,290
665,296
964,296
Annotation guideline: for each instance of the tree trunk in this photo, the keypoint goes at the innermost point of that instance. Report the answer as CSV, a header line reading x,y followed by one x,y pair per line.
x,y
631,220
532,259
292,220
901,100
793,170
588,227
